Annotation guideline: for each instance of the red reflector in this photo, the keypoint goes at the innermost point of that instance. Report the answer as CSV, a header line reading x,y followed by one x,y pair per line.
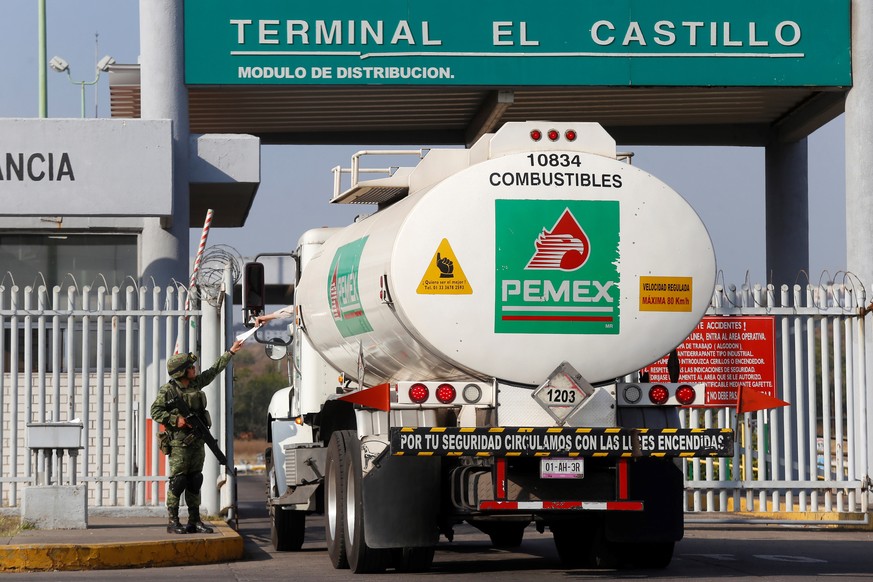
x,y
446,393
418,393
685,394
570,135
658,394
554,134
536,134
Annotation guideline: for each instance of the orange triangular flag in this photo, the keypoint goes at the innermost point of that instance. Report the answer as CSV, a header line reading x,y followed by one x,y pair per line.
x,y
750,400
376,397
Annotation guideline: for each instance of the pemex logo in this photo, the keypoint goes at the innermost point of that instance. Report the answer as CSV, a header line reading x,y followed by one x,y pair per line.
x,y
565,247
570,283
343,296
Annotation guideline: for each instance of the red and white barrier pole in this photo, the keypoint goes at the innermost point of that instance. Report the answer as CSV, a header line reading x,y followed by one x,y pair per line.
x,y
203,236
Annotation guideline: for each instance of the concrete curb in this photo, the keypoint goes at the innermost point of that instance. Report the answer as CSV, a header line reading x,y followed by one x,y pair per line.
x,y
226,545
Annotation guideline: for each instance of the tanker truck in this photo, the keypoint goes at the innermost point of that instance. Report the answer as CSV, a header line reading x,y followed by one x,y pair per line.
x,y
469,353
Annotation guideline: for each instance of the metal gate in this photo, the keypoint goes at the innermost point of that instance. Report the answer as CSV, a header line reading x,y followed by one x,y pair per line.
x,y
97,356
811,457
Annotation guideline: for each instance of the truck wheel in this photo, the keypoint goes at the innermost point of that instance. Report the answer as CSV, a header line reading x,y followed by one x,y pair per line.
x,y
571,541
334,500
581,544
287,529
362,558
412,560
651,555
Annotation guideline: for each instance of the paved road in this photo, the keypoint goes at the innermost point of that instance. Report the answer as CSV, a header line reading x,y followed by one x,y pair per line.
x,y
707,553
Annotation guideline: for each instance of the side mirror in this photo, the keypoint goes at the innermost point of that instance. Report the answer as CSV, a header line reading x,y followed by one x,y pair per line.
x,y
276,349
254,292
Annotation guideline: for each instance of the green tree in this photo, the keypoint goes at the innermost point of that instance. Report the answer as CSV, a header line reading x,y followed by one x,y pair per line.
x,y
256,378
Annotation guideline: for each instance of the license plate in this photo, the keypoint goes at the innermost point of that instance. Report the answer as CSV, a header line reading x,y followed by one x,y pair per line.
x,y
559,468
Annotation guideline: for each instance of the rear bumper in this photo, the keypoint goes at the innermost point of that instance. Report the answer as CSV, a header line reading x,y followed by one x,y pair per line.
x,y
540,506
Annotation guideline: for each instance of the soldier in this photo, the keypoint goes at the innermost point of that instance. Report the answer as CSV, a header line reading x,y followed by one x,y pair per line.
x,y
186,450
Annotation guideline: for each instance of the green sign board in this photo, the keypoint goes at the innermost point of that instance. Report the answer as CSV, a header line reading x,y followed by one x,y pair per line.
x,y
342,290
556,266
517,42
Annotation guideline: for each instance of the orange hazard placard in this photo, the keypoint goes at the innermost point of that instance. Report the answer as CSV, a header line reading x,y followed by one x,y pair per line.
x,y
444,275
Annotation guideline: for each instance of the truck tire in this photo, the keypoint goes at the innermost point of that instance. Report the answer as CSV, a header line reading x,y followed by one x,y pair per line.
x,y
582,544
287,529
336,469
651,555
413,560
361,557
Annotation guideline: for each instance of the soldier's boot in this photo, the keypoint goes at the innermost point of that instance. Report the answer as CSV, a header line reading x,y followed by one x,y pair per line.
x,y
174,526
195,525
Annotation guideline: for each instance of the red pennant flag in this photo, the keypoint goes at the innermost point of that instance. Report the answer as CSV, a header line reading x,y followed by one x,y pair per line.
x,y
376,397
750,400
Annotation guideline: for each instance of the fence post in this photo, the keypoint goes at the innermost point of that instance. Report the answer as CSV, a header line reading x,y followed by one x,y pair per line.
x,y
210,330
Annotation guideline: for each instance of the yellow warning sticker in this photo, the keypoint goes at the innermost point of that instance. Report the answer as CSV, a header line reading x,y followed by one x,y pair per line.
x,y
444,275
665,293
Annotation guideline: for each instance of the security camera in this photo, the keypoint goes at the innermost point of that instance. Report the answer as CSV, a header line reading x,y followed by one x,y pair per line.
x,y
104,63
59,64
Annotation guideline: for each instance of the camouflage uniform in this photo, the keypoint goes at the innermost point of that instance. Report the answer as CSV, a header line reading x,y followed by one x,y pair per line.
x,y
186,450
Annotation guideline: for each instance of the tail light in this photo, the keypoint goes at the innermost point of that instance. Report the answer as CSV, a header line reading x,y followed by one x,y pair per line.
x,y
446,393
554,135
685,394
632,393
659,394
418,393
439,394
472,393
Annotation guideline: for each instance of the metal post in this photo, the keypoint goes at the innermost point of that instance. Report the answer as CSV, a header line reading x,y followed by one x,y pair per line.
x,y
228,499
210,335
41,60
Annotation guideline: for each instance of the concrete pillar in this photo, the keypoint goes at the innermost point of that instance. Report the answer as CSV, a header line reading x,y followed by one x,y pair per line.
x,y
859,147
787,212
859,173
164,247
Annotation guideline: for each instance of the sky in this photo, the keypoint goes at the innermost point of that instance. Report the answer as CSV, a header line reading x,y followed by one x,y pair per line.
x,y
724,185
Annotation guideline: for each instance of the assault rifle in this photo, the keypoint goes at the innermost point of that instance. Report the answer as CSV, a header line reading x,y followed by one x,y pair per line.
x,y
199,428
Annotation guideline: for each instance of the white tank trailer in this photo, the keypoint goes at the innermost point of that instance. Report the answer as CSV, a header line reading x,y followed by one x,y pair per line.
x,y
470,352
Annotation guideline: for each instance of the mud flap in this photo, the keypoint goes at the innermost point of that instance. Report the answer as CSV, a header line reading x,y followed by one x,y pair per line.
x,y
659,484
401,502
